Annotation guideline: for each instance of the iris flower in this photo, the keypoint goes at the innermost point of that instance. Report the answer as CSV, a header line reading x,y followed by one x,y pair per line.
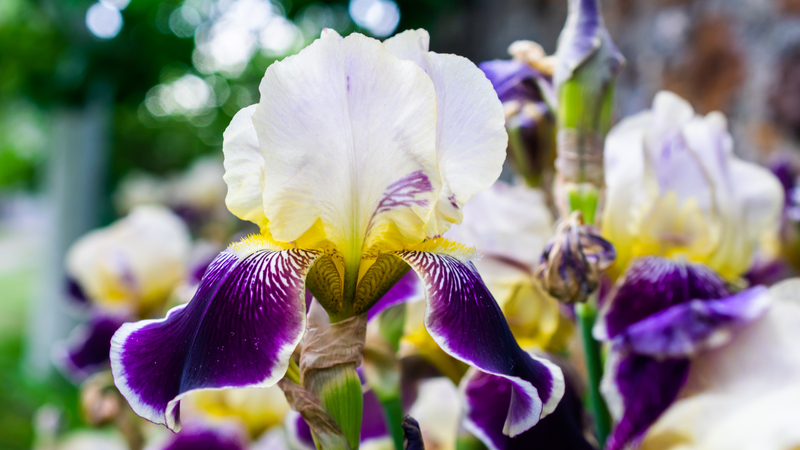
x,y
675,189
123,271
662,318
359,155
743,395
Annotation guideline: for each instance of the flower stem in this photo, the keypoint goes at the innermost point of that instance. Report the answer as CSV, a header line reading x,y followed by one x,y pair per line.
x,y
587,313
393,408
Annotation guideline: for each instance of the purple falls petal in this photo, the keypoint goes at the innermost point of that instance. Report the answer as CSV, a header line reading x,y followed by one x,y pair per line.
x,y
408,288
86,351
515,80
653,284
466,322
638,389
685,329
487,398
198,436
239,330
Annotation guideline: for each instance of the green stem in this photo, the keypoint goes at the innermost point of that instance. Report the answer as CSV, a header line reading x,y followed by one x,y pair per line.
x,y
339,390
587,313
393,408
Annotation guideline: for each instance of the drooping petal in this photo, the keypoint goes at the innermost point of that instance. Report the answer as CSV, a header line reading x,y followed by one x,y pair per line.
x,y
637,389
238,331
348,135
470,125
653,284
487,398
244,168
466,322
685,329
86,350
200,436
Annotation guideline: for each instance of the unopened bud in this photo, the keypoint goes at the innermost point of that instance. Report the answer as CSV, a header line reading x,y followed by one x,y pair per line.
x,y
573,260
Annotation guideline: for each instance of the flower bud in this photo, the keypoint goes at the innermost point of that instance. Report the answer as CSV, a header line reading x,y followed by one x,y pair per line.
x,y
572,261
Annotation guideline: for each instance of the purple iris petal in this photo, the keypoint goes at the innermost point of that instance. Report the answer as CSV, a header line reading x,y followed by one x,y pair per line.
x,y
642,389
300,430
204,437
653,284
487,398
373,424
685,329
75,292
239,330
408,288
466,322
514,80
86,351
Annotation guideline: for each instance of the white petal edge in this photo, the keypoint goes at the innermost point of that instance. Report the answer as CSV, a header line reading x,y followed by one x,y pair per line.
x,y
244,168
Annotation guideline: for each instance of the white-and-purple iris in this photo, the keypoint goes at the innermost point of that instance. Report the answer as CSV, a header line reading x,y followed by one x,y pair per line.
x,y
685,215
359,155
121,272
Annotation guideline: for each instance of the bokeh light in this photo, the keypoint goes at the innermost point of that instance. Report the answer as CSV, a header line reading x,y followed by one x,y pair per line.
x,y
104,20
379,17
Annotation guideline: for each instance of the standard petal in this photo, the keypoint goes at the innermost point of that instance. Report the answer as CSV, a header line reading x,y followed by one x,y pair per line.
x,y
133,264
487,398
348,134
238,331
86,350
244,168
685,329
653,284
466,322
471,138
507,222
637,390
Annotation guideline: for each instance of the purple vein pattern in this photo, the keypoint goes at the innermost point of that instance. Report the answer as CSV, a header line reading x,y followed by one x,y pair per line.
x,y
239,330
466,322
